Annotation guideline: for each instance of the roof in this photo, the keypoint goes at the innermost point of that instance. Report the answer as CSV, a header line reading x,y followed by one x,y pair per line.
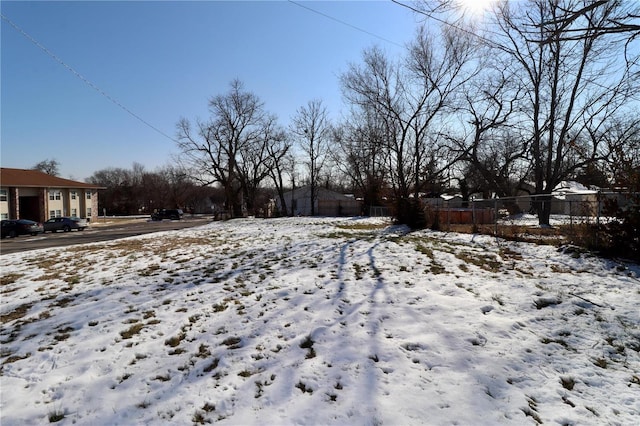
x,y
321,193
34,178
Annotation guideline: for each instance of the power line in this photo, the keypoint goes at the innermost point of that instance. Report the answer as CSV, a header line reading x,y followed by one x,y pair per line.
x,y
345,23
444,22
488,41
81,77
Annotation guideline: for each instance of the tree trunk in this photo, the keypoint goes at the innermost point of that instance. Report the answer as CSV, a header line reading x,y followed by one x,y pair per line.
x,y
542,207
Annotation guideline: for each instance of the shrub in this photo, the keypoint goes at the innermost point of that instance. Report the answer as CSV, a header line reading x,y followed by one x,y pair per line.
x,y
621,237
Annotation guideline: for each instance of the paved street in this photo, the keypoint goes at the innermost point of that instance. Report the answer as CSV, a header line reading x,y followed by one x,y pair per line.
x,y
102,230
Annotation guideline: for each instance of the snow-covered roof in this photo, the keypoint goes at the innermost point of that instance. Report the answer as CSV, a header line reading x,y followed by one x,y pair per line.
x,y
448,197
572,187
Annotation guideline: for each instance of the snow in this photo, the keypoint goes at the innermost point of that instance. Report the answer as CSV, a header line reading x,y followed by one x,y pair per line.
x,y
572,187
318,321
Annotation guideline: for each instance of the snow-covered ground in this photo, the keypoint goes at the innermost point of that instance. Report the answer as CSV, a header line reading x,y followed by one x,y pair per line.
x,y
527,219
318,321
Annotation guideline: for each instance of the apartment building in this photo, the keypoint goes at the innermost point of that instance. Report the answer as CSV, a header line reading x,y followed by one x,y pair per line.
x,y
31,194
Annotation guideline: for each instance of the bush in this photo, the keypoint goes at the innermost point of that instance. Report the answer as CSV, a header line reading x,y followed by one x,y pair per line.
x,y
410,212
621,237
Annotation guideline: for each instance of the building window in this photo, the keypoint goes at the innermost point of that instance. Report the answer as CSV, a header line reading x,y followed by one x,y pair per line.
x,y
74,212
89,212
55,195
4,216
88,195
74,195
3,195
58,195
51,196
52,214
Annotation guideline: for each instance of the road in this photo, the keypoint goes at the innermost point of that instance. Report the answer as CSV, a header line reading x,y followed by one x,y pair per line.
x,y
99,232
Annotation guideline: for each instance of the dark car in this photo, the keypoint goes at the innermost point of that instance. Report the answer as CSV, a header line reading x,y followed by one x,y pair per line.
x,y
14,227
173,214
65,224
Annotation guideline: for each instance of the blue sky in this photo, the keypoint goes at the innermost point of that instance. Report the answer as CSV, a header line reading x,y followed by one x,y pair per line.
x,y
163,61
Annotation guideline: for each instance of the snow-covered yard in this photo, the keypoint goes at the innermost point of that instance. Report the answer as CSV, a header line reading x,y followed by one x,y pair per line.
x,y
318,321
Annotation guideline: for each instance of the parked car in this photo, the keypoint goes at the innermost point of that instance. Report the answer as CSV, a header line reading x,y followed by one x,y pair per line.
x,y
173,214
65,224
13,227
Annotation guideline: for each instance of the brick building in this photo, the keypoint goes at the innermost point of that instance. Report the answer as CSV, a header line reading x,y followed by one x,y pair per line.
x,y
31,194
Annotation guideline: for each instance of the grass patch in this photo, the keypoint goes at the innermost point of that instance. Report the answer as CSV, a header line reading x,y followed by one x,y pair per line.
x,y
246,373
17,313
531,410
175,340
303,388
601,362
567,382
436,269
15,358
150,270
198,418
362,226
72,280
483,261
359,270
545,302
427,251
219,307
561,342
132,331
56,415
212,366
148,314
9,278
61,303
307,343
232,342
203,351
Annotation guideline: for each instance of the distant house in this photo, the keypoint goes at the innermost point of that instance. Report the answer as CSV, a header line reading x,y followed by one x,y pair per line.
x,y
572,198
31,194
327,203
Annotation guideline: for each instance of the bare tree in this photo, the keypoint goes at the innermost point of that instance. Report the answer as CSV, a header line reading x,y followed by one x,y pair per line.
x,y
361,155
49,167
576,78
376,87
409,99
311,128
260,158
116,198
280,164
215,149
494,156
622,138
623,20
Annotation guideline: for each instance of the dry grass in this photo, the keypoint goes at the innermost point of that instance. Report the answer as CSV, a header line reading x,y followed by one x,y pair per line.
x,y
132,331
362,226
17,313
488,262
9,279
580,234
175,340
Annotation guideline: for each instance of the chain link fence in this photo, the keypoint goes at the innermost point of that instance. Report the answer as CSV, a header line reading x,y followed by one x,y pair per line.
x,y
573,217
